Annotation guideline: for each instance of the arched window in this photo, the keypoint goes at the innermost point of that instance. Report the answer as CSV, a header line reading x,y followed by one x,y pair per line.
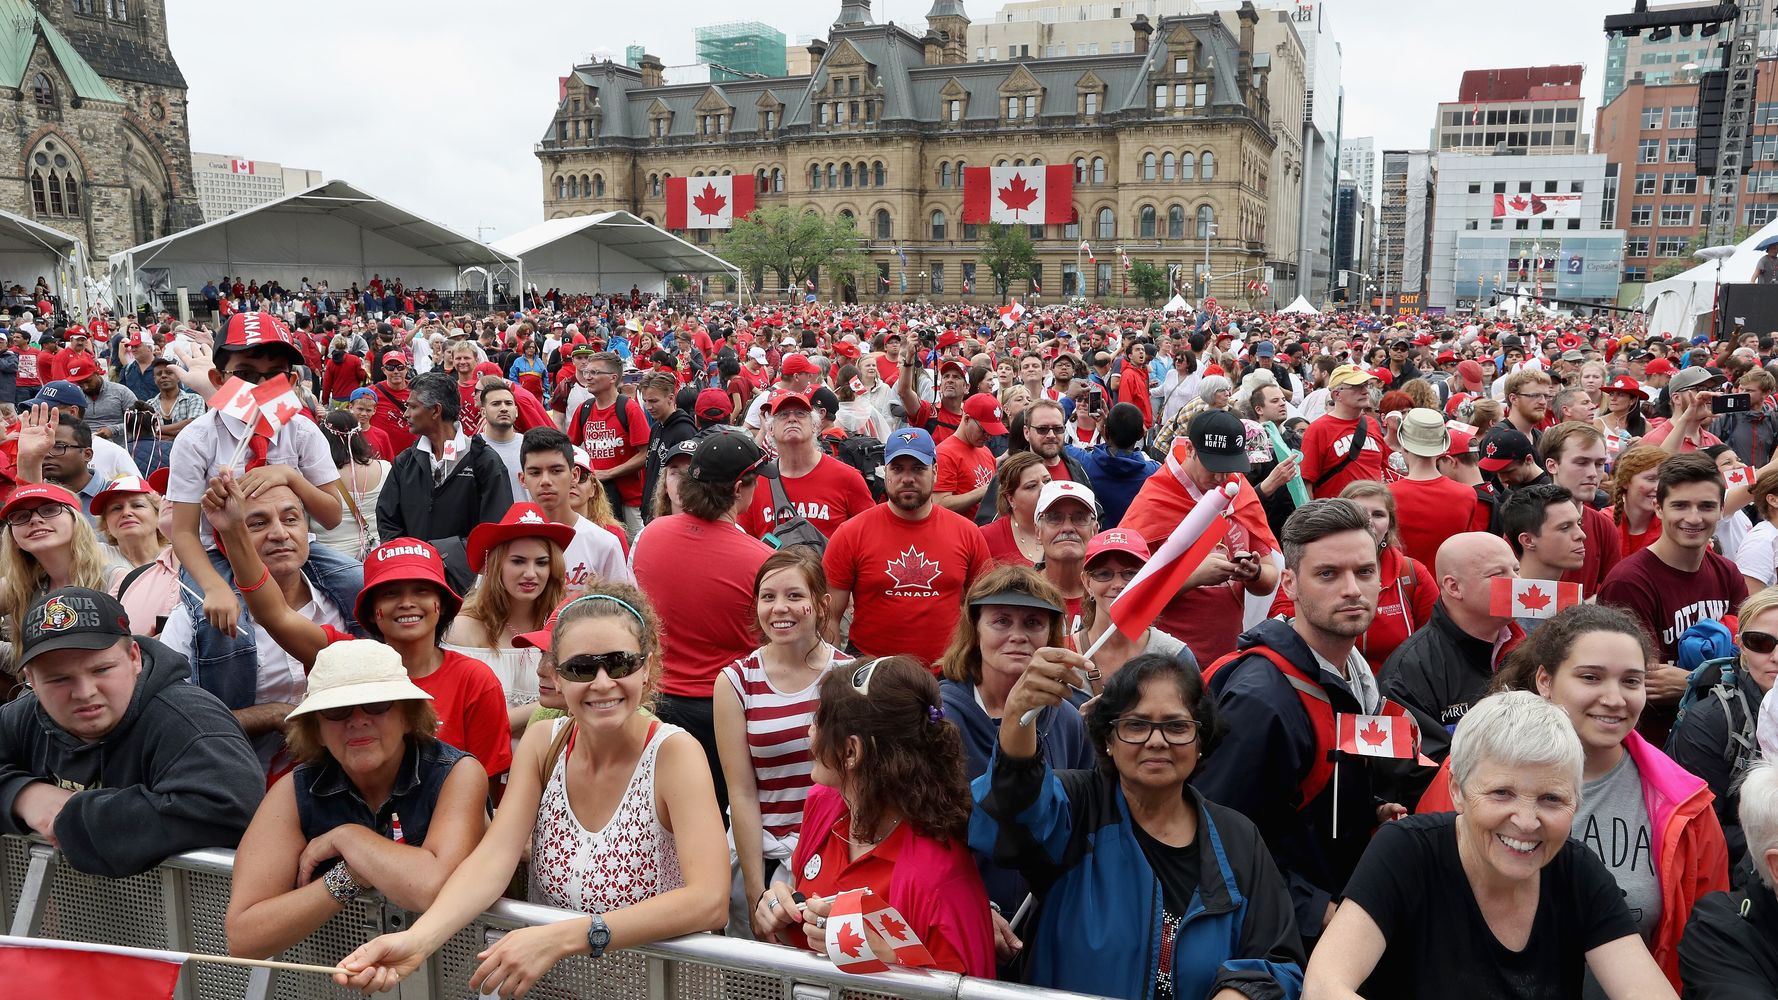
x,y
879,174
1037,161
1188,166
1107,224
573,187
38,202
777,180
598,185
815,177
654,185
864,175
944,174
1206,219
1176,222
72,188
1098,170
1209,170
56,205
1169,166
1080,170
833,176
1148,166
1019,162
846,213
43,91
938,225
845,175
882,223
759,179
1145,223
561,187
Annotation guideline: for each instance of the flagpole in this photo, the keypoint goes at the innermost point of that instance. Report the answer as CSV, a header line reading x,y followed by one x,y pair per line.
x,y
266,963
241,447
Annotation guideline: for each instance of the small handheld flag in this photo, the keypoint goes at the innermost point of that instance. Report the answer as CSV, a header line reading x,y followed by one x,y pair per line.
x,y
1517,597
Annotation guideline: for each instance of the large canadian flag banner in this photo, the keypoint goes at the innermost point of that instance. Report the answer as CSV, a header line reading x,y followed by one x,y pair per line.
x,y
708,202
1021,196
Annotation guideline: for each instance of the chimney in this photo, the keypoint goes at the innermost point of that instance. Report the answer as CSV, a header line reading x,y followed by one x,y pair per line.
x,y
933,48
1248,17
652,70
1142,30
817,52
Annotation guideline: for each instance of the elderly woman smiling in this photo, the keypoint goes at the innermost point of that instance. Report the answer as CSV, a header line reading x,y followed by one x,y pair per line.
x,y
1494,896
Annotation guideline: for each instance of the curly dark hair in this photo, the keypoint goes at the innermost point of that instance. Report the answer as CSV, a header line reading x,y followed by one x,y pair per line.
x,y
1124,690
1547,647
912,760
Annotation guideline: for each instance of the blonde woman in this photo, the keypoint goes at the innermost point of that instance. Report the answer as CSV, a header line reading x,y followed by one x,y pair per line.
x,y
129,513
47,543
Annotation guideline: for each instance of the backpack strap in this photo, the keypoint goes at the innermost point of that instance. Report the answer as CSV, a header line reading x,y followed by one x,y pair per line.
x,y
1738,718
1316,705
1360,435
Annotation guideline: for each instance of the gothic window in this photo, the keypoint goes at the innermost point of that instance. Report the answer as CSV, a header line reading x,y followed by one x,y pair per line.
x,y
43,91
55,191
120,10
90,8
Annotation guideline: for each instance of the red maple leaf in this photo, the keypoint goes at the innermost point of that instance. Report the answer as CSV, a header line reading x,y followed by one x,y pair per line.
x,y
284,414
1018,195
1538,205
1534,598
1373,734
913,569
895,929
1518,203
851,942
709,202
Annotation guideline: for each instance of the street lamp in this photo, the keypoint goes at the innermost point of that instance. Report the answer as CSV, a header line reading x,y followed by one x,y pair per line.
x,y
1209,231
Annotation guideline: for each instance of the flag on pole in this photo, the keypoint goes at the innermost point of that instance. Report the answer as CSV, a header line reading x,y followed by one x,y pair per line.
x,y
1517,597
235,399
902,255
71,970
1088,250
1394,736
278,405
1011,313
1142,599
1475,113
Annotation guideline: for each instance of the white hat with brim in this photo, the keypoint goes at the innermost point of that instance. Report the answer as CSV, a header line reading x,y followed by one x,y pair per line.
x,y
359,672
1423,432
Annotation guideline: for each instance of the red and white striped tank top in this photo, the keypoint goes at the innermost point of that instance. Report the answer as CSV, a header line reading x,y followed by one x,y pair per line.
x,y
778,739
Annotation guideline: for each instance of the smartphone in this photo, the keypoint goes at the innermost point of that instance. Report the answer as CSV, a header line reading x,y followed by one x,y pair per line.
x,y
1730,402
1095,401
631,378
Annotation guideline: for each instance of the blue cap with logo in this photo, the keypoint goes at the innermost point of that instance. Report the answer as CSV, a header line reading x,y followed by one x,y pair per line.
x,y
60,393
911,441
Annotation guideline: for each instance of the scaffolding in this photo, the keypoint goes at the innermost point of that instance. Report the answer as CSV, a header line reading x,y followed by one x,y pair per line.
x,y
741,50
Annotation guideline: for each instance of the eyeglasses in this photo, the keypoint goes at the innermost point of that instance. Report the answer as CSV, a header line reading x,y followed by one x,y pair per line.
x,y
1079,519
1046,430
394,366
1538,397
63,448
1108,575
586,666
604,373
344,712
1177,732
43,512
1759,642
252,377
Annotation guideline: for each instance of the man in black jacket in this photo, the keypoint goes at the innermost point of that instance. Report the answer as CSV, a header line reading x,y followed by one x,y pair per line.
x,y
658,392
112,756
1730,948
446,484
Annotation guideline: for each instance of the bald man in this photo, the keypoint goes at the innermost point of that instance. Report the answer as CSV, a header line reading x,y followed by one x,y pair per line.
x,y
1445,667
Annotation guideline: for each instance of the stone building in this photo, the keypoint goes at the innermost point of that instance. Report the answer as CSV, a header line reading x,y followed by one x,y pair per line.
x,y
1171,143
93,131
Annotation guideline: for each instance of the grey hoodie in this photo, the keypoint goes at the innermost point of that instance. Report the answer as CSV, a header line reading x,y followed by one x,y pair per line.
x,y
175,775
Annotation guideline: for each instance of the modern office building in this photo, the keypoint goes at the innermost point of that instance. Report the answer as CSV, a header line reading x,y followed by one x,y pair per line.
x,y
230,184
1354,234
1358,160
1677,56
1533,110
1404,229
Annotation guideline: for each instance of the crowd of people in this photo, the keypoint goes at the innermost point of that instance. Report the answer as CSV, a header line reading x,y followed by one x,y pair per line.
x,y
689,618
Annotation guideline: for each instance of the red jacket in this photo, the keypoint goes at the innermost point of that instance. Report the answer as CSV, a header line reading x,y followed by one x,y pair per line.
x,y
1692,859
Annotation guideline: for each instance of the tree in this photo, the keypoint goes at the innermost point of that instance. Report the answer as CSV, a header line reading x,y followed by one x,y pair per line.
x,y
1685,261
1009,255
794,244
1149,281
678,283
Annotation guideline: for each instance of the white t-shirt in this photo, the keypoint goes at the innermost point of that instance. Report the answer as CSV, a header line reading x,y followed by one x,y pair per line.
x,y
508,451
110,460
1754,555
594,554
209,441
422,349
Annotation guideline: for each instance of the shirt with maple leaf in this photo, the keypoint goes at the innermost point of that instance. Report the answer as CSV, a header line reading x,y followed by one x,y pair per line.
x,y
907,578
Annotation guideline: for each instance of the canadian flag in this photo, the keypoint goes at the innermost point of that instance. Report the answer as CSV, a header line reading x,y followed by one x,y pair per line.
x,y
1393,736
1740,475
1084,248
70,970
235,399
278,405
240,166
1011,314
1517,597
708,202
1142,599
857,910
1030,196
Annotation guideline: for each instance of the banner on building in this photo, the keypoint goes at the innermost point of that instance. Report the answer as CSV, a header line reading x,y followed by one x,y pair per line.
x,y
1018,196
1538,206
708,202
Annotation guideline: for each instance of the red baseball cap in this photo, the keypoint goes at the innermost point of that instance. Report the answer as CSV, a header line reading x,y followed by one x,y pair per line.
x,y
522,520
35,494
1659,366
985,410
846,349
1446,357
1116,540
712,404
798,364
80,367
1457,399
1383,375
782,396
947,338
1460,443
1471,374
397,560
952,363
247,330
120,485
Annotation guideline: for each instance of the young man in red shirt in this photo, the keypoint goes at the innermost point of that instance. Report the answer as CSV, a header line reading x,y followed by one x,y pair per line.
x,y
904,565
1574,456
965,465
1429,507
940,421
823,490
1329,461
617,445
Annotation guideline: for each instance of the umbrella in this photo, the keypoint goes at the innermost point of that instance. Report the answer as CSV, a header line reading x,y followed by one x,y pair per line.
x,y
1767,243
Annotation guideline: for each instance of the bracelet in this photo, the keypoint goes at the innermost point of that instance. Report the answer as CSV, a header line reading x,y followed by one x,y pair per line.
x,y
341,885
262,581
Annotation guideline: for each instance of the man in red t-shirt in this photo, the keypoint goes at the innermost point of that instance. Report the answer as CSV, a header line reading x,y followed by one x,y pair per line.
x,y
823,490
344,374
904,565
1329,441
617,445
943,420
1430,508
1574,454
390,416
965,465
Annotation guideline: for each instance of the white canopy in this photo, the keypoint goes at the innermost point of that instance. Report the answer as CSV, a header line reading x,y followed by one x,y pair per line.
x,y
29,250
1674,304
609,251
1176,304
1300,307
333,232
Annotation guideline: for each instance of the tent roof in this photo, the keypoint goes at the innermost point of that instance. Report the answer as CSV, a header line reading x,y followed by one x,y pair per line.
x,y
18,233
621,231
1736,269
357,207
1301,306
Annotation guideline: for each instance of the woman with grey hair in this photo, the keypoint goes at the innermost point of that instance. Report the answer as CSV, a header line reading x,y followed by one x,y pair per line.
x,y
1729,949
1493,896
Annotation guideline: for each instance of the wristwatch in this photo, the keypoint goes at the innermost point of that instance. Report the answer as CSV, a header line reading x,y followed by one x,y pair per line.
x,y
598,936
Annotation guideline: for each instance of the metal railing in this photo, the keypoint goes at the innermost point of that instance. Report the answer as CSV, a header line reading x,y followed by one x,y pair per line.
x,y
180,906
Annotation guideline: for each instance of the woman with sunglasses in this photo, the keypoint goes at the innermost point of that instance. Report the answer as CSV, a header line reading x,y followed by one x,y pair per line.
x,y
48,543
889,813
1113,559
1148,889
615,808
376,803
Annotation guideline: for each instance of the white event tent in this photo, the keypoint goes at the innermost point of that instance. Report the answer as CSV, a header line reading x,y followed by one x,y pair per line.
x,y
608,251
1300,307
1674,304
29,250
334,232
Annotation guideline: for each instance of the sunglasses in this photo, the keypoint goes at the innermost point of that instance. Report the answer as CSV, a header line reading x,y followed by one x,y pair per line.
x,y
585,667
394,366
344,712
861,677
1759,642
252,377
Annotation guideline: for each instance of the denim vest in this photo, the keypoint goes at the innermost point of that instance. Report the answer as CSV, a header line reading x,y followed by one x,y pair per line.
x,y
229,668
326,797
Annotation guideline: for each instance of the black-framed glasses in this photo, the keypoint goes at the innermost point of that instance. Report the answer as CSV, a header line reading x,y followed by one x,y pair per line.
x,y
585,667
43,512
1045,430
1177,732
344,712
1759,642
63,448
252,377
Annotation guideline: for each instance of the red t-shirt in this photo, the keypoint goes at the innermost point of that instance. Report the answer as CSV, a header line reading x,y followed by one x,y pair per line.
x,y
606,444
832,492
963,468
1431,510
469,412
1327,441
32,363
699,574
390,420
907,578
1003,545
343,376
1059,471
1630,543
1604,549
940,423
1132,388
470,703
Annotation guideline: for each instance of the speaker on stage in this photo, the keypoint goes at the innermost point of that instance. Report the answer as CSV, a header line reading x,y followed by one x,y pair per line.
x,y
1757,304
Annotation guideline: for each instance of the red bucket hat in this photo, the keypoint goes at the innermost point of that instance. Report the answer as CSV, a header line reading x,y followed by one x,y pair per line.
x,y
398,560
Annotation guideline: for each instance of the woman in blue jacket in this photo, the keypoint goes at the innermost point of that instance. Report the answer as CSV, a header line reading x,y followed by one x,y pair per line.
x,y
1147,890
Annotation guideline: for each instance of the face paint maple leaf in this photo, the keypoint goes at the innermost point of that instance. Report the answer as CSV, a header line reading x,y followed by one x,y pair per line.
x,y
708,202
1373,734
851,942
912,569
1018,195
1534,599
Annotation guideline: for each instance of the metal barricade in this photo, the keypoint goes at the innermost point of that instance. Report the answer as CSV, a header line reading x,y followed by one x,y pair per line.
x,y
180,907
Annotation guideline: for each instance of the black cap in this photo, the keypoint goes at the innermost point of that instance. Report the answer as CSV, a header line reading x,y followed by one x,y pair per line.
x,y
72,618
1503,447
824,400
1220,439
727,456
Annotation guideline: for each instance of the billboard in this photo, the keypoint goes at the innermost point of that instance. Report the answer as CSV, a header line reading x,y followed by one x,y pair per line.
x,y
1537,206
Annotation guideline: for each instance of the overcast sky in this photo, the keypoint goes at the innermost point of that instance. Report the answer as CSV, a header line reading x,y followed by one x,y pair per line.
x,y
436,105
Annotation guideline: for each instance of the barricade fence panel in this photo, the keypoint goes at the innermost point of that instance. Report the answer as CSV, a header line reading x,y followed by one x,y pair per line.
x,y
182,906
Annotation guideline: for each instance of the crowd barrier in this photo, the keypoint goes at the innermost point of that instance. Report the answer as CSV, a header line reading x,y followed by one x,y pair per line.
x,y
180,907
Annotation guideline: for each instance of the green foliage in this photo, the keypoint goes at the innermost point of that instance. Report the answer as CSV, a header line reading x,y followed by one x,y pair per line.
x,y
1148,281
1008,255
1685,261
794,244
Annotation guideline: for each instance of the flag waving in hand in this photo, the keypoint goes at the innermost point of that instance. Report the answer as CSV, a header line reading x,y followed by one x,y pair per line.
x,y
1517,597
69,970
1394,736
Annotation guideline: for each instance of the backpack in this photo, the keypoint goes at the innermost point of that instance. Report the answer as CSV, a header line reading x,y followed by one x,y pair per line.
x,y
788,527
1719,678
1315,704
863,452
1703,643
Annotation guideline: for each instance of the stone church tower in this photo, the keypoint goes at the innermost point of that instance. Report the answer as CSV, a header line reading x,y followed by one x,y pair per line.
x,y
93,131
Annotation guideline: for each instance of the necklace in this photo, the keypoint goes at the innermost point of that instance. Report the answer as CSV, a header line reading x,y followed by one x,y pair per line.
x,y
1019,538
874,841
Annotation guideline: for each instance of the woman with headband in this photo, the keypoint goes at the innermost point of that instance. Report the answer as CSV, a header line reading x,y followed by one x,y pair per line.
x,y
616,808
